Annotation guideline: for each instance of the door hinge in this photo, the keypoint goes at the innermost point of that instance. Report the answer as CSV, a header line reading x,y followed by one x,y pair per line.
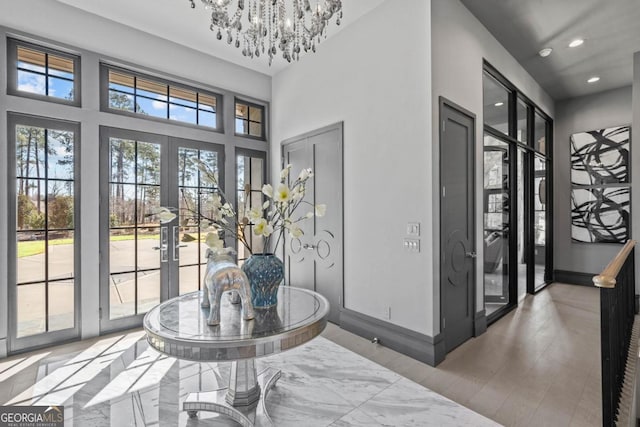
x,y
100,313
444,125
444,323
444,192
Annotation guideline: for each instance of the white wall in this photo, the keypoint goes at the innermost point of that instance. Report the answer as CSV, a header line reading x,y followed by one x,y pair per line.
x,y
375,76
459,45
598,111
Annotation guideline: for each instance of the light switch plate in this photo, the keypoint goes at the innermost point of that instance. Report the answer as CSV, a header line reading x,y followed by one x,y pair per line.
x,y
412,245
413,229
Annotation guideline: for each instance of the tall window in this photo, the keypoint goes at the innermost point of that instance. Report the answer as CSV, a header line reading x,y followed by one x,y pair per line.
x,y
43,244
249,119
43,73
126,92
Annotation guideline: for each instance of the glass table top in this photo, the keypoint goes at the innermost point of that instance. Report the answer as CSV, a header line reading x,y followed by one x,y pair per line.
x,y
178,327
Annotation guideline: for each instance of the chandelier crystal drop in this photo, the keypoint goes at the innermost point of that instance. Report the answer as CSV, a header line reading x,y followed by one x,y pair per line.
x,y
262,27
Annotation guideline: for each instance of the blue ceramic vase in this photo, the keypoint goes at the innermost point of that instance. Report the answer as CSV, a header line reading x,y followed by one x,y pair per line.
x,y
265,273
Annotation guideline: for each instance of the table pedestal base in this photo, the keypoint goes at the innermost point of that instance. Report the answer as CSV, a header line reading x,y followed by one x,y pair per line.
x,y
253,414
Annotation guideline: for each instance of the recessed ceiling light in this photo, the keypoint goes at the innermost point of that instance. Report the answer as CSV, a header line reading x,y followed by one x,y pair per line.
x,y
499,104
576,43
545,52
593,79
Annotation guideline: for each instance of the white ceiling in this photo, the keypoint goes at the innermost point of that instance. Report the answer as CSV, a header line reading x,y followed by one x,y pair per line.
x,y
610,28
175,20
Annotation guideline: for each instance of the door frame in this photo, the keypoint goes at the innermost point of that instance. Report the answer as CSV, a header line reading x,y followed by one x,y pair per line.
x,y
339,126
446,103
44,339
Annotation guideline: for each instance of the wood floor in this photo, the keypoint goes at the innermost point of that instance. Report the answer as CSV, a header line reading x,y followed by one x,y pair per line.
x,y
537,366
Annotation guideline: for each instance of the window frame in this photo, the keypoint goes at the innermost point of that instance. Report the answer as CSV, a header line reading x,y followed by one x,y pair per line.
x,y
104,98
12,72
263,127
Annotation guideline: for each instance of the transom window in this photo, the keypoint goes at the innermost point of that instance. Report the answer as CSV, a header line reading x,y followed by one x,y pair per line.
x,y
132,93
44,73
249,119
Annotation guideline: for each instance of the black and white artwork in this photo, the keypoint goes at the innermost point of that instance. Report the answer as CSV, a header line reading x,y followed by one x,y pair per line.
x,y
600,214
600,157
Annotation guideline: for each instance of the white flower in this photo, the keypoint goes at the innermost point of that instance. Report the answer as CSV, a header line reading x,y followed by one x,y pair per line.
x,y
263,228
295,231
267,190
164,214
265,205
227,210
321,210
255,214
284,173
214,242
282,194
309,215
305,174
297,193
216,201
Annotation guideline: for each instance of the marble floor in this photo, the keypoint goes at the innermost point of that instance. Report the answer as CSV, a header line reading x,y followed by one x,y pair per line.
x,y
537,366
119,381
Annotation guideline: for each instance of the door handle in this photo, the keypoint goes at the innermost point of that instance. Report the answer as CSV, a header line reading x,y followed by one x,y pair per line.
x,y
471,255
164,244
176,245
308,246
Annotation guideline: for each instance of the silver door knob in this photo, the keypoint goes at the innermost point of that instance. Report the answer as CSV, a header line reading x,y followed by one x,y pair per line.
x,y
308,246
471,255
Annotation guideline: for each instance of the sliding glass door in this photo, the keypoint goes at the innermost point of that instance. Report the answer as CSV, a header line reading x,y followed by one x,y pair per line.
x,y
144,261
43,231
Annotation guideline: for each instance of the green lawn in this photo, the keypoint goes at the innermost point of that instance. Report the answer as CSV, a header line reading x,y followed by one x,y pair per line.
x,y
28,248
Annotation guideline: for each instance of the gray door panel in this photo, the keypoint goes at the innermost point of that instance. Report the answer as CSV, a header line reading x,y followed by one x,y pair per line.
x,y
315,260
457,280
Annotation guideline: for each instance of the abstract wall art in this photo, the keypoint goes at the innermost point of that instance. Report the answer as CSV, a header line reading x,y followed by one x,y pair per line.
x,y
600,185
600,157
600,214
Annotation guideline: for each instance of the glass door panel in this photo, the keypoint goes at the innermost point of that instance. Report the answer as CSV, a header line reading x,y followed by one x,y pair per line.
x,y
251,176
132,183
43,292
134,193
522,209
496,224
539,220
194,202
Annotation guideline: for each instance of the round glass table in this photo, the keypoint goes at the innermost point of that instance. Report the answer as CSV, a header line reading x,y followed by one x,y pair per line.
x,y
178,328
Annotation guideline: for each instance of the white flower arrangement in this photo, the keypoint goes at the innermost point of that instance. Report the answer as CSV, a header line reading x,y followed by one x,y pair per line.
x,y
275,217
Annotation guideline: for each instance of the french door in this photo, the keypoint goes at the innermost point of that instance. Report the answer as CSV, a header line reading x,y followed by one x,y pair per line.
x,y
143,261
43,231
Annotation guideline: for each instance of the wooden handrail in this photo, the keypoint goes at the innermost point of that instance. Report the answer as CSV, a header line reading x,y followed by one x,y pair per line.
x,y
607,279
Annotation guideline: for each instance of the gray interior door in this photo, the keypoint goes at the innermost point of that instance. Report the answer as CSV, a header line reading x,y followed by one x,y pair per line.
x,y
457,242
315,260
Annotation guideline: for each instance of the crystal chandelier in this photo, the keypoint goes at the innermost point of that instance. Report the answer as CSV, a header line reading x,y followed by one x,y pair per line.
x,y
267,27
